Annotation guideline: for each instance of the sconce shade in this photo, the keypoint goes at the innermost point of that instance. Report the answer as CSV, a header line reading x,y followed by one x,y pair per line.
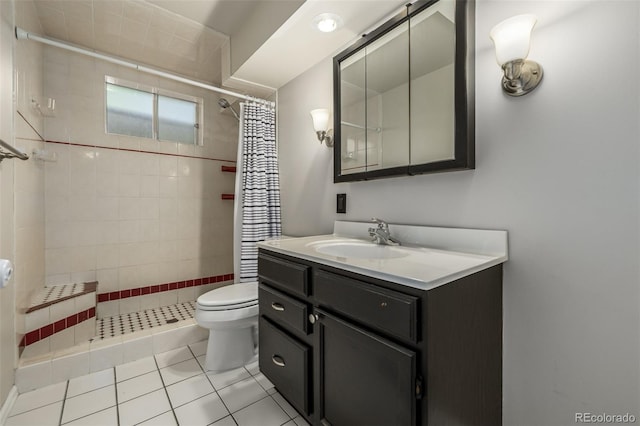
x,y
320,119
512,38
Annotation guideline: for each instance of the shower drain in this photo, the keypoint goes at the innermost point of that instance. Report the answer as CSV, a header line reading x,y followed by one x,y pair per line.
x,y
172,320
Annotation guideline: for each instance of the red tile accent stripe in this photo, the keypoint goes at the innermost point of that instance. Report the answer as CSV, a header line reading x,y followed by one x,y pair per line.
x,y
139,150
159,288
56,327
228,196
230,169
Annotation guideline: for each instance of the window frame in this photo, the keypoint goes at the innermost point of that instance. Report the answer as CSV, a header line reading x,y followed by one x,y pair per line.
x,y
156,92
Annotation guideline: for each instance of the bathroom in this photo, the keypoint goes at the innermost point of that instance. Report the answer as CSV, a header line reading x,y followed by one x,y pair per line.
x,y
558,169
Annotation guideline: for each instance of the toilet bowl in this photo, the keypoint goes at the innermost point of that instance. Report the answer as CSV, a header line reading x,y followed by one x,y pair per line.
x,y
231,315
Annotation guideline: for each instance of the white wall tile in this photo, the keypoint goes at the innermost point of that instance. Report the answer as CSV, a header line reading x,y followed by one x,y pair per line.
x,y
36,319
130,304
62,339
127,219
138,348
62,309
168,297
85,301
33,376
84,331
149,301
108,309
65,368
101,358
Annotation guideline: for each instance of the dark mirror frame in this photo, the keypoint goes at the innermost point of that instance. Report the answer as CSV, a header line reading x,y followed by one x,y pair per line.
x,y
464,102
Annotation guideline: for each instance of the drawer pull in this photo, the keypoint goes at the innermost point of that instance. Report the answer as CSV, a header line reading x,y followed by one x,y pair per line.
x,y
277,306
277,360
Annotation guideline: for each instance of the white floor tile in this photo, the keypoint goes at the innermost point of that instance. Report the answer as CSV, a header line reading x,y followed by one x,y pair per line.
x,y
135,368
300,421
227,421
241,394
180,371
39,398
202,359
253,368
108,417
173,357
43,416
166,419
143,408
264,413
90,382
264,382
203,411
199,348
88,403
187,390
285,405
290,423
224,379
138,386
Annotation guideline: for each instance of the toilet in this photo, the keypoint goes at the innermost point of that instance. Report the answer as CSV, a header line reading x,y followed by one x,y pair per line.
x,y
231,315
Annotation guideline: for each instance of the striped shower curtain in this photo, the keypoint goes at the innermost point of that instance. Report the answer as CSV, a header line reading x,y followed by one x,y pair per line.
x,y
257,212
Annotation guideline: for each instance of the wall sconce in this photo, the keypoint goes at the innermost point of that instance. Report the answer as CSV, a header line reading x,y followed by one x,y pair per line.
x,y
321,125
512,38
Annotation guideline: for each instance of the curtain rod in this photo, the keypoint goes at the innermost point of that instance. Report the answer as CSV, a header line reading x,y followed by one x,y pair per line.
x,y
25,35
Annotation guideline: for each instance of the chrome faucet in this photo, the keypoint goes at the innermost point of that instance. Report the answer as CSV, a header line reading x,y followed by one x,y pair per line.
x,y
381,234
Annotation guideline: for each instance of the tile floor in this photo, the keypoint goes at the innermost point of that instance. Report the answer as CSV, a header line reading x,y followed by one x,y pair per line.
x,y
143,320
170,388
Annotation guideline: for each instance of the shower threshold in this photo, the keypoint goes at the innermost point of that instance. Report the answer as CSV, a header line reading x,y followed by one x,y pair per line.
x,y
119,339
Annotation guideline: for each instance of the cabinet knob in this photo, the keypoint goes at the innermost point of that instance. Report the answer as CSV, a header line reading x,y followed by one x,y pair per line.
x,y
278,360
277,306
313,318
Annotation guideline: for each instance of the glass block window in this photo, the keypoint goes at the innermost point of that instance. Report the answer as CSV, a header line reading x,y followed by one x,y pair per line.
x,y
148,112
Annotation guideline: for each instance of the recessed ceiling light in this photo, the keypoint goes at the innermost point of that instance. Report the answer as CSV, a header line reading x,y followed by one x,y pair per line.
x,y
327,22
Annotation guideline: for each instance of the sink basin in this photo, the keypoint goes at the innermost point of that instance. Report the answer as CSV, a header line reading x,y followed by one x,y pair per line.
x,y
360,250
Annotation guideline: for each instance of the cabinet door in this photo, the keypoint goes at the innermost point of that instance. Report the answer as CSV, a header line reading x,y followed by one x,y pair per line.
x,y
364,379
285,361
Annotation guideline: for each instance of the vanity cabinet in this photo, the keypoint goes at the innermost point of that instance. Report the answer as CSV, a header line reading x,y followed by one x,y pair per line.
x,y
348,349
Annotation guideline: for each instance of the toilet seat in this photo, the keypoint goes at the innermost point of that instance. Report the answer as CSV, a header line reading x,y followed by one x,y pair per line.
x,y
231,297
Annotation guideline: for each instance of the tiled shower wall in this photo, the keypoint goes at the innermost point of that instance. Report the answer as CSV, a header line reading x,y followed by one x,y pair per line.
x,y
132,212
28,186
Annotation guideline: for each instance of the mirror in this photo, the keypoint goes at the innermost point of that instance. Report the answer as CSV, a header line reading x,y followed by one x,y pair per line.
x,y
403,95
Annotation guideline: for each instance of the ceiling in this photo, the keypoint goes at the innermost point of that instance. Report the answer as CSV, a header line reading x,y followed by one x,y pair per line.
x,y
187,36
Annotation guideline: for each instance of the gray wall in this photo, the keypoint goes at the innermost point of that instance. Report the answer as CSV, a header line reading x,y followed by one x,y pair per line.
x,y
558,169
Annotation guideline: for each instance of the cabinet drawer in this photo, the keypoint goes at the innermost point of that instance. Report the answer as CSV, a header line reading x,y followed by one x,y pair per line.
x,y
286,362
283,273
387,310
283,309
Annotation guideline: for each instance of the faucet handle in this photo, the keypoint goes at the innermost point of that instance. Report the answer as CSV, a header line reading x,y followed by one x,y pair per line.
x,y
381,223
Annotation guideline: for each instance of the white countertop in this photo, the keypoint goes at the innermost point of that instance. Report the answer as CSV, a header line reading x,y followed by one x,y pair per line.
x,y
426,261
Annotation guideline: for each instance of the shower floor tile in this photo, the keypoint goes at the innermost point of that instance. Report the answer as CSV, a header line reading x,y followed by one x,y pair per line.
x,y
143,320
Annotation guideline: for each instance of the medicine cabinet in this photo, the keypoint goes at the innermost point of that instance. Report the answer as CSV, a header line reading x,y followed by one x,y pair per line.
x,y
404,95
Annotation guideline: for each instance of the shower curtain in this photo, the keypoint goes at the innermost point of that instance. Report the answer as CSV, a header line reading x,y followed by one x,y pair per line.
x,y
257,193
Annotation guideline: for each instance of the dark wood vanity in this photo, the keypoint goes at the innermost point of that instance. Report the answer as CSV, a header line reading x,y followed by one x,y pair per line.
x,y
348,349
